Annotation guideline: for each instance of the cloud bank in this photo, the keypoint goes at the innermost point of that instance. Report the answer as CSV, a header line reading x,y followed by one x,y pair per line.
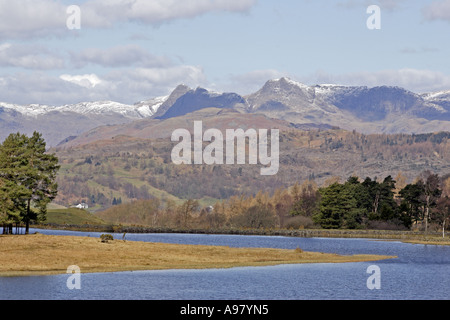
x,y
437,10
33,72
42,18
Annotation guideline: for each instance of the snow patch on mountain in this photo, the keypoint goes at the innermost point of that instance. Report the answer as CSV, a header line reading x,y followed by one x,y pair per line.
x,y
149,107
143,109
436,95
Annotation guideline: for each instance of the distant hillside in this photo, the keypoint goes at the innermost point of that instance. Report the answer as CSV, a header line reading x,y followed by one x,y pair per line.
x,y
216,118
133,161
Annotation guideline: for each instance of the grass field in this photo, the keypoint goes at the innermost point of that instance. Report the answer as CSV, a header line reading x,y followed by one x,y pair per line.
x,y
39,254
72,216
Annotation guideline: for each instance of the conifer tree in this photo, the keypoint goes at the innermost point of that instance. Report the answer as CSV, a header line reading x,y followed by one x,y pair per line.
x,y
10,204
30,174
338,208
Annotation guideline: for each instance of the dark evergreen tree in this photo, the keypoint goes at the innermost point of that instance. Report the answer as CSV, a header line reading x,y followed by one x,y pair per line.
x,y
338,208
388,206
11,204
411,203
31,173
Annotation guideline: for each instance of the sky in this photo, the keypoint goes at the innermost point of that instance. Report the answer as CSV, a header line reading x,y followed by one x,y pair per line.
x,y
71,51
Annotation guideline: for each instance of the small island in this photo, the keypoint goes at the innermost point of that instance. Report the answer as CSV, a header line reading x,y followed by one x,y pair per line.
x,y
39,254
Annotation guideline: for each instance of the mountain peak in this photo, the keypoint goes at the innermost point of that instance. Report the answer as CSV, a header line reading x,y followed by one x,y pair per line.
x,y
198,99
385,109
182,87
285,82
179,91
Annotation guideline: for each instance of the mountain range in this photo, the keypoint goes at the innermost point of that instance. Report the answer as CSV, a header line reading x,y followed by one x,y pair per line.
x,y
366,110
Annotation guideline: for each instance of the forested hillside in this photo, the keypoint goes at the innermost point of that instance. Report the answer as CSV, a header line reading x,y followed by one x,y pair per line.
x,y
354,204
122,169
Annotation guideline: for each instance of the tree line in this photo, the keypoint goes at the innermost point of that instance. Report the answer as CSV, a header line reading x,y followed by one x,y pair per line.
x,y
28,185
354,204
97,174
27,181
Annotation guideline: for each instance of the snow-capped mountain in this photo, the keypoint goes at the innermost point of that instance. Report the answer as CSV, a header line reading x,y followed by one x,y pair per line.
x,y
437,96
201,98
143,109
368,110
440,101
150,107
59,122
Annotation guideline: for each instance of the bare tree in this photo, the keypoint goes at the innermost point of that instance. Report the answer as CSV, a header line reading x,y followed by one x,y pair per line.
x,y
431,193
186,210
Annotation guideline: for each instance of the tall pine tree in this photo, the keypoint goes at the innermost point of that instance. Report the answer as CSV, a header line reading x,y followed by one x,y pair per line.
x,y
30,173
338,207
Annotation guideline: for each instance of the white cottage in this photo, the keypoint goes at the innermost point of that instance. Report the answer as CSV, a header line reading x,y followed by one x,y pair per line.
x,y
82,206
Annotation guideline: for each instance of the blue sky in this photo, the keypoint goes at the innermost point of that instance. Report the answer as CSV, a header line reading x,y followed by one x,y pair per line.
x,y
133,50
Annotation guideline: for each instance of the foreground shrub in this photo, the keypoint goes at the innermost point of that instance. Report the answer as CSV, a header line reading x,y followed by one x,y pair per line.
x,y
106,237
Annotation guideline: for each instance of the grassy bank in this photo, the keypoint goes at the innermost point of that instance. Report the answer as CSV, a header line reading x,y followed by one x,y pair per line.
x,y
42,255
417,237
81,220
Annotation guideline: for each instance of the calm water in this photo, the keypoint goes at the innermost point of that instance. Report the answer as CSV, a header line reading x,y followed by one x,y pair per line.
x,y
420,272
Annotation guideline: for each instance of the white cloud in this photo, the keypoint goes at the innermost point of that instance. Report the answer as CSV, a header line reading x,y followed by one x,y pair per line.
x,y
102,13
437,10
41,18
86,80
31,18
144,83
415,80
132,85
40,88
119,56
29,57
125,86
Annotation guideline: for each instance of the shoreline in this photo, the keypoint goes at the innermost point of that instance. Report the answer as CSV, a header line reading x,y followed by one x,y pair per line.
x,y
38,254
413,237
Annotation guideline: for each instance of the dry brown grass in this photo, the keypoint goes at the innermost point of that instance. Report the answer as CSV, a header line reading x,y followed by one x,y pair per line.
x,y
42,254
430,241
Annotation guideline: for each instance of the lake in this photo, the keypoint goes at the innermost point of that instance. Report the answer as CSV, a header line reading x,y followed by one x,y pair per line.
x,y
421,272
